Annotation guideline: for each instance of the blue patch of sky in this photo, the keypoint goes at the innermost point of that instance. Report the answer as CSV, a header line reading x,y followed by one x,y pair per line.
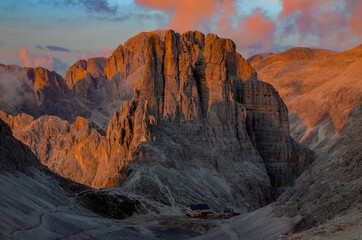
x,y
270,7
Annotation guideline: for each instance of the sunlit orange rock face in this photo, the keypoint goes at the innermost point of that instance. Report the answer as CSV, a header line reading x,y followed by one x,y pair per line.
x,y
76,151
122,69
323,92
79,70
200,127
108,82
317,85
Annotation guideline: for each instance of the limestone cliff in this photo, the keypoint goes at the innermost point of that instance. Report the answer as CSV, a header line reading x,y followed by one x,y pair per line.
x,y
201,125
79,70
76,151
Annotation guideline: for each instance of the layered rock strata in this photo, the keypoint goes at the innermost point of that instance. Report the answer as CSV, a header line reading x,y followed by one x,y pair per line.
x,y
201,125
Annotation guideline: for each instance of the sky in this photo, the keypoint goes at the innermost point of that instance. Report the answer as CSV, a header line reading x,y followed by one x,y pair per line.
x,y
55,34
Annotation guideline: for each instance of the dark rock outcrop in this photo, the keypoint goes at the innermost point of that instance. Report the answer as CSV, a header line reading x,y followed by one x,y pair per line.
x,y
14,155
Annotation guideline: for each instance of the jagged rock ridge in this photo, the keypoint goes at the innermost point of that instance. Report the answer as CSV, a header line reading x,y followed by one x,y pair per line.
x,y
108,82
201,119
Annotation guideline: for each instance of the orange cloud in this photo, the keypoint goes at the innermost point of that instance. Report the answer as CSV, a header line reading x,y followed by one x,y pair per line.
x,y
36,60
187,14
254,33
355,20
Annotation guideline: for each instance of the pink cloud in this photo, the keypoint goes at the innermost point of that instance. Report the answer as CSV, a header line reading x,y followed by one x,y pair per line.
x,y
253,33
355,20
37,60
314,16
255,30
335,23
105,52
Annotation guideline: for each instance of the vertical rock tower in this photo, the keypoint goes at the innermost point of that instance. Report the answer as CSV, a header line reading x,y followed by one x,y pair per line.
x,y
202,128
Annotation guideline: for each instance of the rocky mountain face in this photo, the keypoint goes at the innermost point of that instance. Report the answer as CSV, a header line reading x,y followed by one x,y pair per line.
x,y
323,93
328,196
258,57
76,151
200,128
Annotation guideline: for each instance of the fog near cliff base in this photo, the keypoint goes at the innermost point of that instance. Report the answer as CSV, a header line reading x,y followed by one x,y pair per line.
x,y
11,90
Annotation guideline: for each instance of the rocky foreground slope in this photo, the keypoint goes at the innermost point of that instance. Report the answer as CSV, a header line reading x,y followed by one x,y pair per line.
x,y
37,203
200,128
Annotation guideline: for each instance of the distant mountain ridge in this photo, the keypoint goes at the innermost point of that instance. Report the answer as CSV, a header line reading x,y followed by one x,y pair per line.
x,y
315,84
38,91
